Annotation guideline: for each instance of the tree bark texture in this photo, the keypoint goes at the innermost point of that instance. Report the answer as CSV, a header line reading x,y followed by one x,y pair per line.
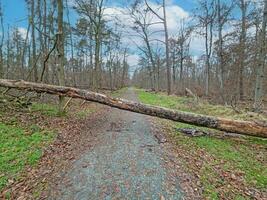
x,y
223,124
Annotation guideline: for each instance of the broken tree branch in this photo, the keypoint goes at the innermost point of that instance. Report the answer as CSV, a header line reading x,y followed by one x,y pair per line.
x,y
47,58
67,103
188,92
228,125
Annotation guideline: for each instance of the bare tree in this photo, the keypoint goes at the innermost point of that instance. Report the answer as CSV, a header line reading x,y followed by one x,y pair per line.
x,y
260,75
1,42
183,42
71,41
60,50
243,5
142,22
223,13
94,11
206,19
179,48
167,50
34,57
124,67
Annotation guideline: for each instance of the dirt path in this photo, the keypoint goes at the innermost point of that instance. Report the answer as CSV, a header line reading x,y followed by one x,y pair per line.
x,y
126,163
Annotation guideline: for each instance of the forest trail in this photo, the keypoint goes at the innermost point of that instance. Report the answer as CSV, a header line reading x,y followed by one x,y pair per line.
x,y
127,163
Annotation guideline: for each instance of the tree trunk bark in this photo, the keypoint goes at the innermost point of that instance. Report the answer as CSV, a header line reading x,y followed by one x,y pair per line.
x,y
2,42
167,48
228,125
150,55
35,70
259,93
173,68
243,8
220,50
60,48
124,70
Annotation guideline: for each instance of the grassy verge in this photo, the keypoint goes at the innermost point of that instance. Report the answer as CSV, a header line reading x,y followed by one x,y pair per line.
x,y
50,110
118,93
226,167
202,107
26,130
18,148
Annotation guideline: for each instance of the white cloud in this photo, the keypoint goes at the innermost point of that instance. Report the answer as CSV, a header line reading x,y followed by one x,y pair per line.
x,y
23,32
175,14
133,59
197,45
71,3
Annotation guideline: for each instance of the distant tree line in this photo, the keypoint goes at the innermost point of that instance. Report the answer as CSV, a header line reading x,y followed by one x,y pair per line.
x,y
53,49
233,67
91,53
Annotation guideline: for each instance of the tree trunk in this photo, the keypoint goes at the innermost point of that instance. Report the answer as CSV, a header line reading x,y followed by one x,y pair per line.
x,y
97,82
8,52
167,49
124,68
243,8
71,45
208,48
150,55
24,50
228,125
173,68
158,72
182,68
34,64
60,48
220,49
1,42
262,56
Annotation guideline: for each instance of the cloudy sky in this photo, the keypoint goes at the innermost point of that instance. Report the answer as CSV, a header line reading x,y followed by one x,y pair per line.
x,y
15,14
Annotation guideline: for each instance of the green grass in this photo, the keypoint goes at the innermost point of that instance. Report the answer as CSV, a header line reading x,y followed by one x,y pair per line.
x,y
118,93
18,148
236,155
187,104
50,110
209,189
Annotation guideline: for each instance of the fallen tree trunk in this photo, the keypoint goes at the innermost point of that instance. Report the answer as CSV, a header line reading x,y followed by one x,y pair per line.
x,y
228,125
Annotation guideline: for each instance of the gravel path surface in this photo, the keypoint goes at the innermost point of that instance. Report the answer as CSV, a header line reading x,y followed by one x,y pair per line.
x,y
127,163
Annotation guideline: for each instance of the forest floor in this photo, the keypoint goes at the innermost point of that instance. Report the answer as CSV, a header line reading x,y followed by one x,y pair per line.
x,y
126,162
113,154
228,166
